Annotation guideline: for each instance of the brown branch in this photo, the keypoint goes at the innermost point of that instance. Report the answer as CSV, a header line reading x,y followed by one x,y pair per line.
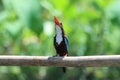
x,y
78,61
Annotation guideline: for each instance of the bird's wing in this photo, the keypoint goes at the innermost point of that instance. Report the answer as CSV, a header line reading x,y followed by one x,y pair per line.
x,y
54,42
66,42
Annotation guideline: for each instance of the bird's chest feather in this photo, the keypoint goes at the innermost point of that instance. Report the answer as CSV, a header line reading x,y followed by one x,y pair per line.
x,y
59,39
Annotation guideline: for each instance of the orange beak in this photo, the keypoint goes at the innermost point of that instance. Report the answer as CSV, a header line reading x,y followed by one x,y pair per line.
x,y
56,21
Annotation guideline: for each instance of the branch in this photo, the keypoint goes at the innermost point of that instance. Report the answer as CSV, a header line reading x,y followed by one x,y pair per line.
x,y
78,61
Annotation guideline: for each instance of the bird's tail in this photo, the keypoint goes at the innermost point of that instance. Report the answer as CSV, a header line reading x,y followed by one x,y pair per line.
x,y
64,69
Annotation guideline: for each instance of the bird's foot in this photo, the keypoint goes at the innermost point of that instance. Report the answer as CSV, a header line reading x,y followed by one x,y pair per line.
x,y
65,55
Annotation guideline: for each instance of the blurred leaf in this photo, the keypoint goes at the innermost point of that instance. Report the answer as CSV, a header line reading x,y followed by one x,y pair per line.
x,y
29,13
61,5
113,12
14,31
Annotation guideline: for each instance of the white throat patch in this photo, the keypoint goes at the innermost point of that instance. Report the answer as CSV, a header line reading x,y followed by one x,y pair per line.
x,y
58,35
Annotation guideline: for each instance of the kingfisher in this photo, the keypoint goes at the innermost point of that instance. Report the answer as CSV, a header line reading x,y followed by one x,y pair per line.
x,y
60,41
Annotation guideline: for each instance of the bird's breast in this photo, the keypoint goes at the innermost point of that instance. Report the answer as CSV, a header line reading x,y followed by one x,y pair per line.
x,y
59,39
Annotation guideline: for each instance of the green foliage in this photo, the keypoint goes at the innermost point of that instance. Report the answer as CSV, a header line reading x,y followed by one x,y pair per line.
x,y
27,28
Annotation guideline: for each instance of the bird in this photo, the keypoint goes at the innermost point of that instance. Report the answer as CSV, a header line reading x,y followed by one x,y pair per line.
x,y
60,41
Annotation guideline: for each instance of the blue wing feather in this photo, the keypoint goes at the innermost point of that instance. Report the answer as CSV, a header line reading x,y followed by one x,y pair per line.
x,y
66,42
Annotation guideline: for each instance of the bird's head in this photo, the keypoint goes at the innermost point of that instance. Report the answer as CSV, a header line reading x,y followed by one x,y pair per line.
x,y
58,26
57,23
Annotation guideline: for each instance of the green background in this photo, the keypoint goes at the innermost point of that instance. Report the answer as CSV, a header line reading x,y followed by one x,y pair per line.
x,y
27,28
